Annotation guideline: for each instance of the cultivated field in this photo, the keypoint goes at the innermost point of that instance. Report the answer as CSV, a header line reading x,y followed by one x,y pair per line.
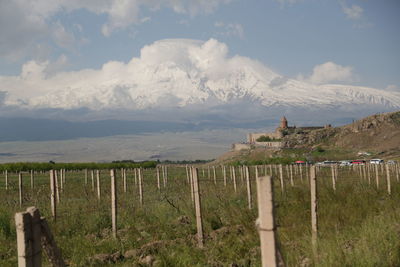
x,y
358,223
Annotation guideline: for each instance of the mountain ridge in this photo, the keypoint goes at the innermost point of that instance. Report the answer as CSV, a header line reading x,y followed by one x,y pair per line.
x,y
182,73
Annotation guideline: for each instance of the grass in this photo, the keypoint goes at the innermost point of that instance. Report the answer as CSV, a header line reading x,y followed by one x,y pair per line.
x,y
359,225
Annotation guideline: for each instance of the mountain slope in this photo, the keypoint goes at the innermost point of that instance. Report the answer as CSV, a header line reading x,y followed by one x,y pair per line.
x,y
180,73
379,133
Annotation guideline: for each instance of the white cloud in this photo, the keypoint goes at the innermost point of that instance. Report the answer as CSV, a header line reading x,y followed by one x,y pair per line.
x,y
145,19
25,23
230,29
121,14
62,37
165,70
353,12
330,72
19,29
177,73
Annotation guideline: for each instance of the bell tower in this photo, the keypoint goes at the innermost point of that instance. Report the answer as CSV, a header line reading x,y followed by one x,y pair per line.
x,y
284,123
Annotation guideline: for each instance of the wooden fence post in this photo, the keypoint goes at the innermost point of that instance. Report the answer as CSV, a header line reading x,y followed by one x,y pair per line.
x,y
158,178
246,170
199,222
187,174
124,179
364,167
23,228
377,176
28,231
140,186
191,184
291,175
266,221
163,176
333,178
57,187
53,195
369,173
135,173
20,188
98,184
61,184
86,176
113,203
166,176
241,167
301,173
32,180
36,236
214,175
224,173
308,173
234,178
92,179
281,178
64,176
388,179
314,207
6,177
49,245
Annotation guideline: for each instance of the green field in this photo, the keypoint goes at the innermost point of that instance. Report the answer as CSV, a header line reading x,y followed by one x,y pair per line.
x,y
359,225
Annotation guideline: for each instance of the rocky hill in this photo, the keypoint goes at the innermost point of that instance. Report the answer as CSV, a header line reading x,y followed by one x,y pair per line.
x,y
379,135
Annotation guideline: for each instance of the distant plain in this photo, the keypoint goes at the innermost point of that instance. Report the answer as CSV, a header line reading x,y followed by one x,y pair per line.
x,y
205,144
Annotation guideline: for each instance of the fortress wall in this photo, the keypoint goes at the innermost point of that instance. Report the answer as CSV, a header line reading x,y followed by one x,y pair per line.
x,y
271,144
238,147
252,137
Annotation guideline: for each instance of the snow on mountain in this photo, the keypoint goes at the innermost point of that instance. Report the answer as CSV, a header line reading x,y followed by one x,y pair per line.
x,y
178,73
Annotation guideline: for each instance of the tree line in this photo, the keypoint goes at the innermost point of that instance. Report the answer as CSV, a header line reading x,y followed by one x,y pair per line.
x,y
46,166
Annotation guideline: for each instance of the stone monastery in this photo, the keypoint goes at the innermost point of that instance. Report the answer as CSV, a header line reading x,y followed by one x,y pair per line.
x,y
273,140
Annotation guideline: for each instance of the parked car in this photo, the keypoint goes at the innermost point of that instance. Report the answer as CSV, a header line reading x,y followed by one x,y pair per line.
x,y
376,161
345,163
300,162
327,163
391,162
358,162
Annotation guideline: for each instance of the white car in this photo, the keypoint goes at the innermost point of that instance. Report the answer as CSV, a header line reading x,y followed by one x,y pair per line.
x,y
376,161
345,163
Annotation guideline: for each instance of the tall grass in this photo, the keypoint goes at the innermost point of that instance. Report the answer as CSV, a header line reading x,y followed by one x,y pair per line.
x,y
358,224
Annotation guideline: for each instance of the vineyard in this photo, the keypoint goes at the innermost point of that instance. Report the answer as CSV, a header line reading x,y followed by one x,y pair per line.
x,y
358,215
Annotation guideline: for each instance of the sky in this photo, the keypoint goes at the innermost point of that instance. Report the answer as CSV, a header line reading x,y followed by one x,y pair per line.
x,y
321,41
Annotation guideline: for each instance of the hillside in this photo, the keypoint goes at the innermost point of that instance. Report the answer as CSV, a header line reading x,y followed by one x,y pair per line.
x,y
379,135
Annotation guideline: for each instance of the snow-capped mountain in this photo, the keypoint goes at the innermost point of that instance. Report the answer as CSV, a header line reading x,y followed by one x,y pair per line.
x,y
178,74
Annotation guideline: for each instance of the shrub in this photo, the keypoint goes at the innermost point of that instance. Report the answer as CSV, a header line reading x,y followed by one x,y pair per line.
x,y
265,138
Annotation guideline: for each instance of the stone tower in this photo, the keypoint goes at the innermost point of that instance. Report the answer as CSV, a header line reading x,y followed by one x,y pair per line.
x,y
284,124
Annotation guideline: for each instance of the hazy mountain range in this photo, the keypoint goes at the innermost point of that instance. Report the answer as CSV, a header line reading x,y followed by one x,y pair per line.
x,y
192,84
